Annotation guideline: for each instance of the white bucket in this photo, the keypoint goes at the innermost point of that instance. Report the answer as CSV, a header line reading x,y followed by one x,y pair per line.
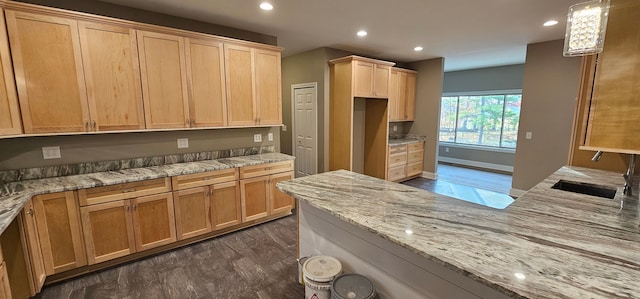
x,y
319,272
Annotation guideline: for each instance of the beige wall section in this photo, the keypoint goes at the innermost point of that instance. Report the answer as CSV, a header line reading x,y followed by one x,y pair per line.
x,y
133,14
428,93
548,97
490,78
27,152
307,67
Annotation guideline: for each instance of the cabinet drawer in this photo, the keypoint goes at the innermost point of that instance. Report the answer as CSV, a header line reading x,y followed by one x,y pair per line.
x,y
397,149
265,169
203,179
416,156
396,173
414,169
397,159
98,195
418,146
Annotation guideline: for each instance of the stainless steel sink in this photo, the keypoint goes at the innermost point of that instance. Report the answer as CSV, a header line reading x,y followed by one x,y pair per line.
x,y
585,188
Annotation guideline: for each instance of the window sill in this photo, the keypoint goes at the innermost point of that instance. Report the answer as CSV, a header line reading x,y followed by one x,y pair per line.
x,y
478,147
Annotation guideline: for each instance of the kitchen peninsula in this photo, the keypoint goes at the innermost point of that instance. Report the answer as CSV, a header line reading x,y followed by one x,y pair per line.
x,y
416,244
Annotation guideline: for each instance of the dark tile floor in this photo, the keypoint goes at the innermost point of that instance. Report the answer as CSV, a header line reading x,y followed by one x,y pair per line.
x,y
258,262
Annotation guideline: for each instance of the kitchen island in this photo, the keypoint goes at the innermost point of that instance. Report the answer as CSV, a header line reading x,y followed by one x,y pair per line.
x,y
416,244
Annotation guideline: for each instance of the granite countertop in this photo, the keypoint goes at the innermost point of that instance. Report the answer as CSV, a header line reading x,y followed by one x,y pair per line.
x,y
562,244
14,195
404,140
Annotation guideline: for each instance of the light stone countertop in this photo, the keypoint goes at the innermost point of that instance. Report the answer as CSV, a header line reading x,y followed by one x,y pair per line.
x,y
14,195
405,140
567,245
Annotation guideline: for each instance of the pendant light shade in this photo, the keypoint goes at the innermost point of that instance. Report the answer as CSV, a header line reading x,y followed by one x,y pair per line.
x,y
586,28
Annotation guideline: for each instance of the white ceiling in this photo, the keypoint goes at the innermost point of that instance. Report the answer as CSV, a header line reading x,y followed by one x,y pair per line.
x,y
467,33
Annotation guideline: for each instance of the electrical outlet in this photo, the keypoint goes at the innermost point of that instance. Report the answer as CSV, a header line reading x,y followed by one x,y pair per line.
x,y
446,149
270,136
528,135
257,137
395,128
51,152
183,142
284,128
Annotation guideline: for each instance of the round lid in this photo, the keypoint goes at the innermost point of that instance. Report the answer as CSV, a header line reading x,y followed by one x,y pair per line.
x,y
352,286
321,268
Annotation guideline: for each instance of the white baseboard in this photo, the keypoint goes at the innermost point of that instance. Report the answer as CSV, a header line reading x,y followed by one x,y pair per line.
x,y
429,175
485,165
516,192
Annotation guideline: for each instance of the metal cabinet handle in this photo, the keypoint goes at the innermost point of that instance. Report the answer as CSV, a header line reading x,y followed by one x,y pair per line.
x,y
126,208
128,190
93,123
30,211
134,207
86,125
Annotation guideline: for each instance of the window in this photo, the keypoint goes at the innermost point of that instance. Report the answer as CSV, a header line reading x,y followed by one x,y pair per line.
x,y
489,119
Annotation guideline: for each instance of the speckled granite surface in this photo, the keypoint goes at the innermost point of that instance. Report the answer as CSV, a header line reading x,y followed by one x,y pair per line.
x,y
562,244
404,139
13,195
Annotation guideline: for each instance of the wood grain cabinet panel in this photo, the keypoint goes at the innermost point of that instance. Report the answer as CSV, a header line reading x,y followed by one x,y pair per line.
x,y
268,87
192,208
49,74
153,220
410,97
164,80
405,161
255,198
112,75
280,202
258,192
207,90
5,288
394,94
381,81
108,231
10,122
239,66
58,224
363,79
226,205
38,273
402,95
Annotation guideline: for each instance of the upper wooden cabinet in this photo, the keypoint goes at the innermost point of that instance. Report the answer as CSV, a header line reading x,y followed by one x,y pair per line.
x,y
610,86
207,91
112,75
402,95
371,78
9,111
48,67
164,80
254,94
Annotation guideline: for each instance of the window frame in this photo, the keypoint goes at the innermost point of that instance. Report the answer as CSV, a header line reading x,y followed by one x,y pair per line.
x,y
503,92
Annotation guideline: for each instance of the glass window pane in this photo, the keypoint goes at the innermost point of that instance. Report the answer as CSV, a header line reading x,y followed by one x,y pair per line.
x,y
511,120
469,112
448,119
490,123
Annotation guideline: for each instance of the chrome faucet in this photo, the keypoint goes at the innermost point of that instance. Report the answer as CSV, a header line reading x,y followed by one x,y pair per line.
x,y
628,176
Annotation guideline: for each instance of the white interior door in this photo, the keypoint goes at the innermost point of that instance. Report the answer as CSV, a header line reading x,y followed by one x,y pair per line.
x,y
305,129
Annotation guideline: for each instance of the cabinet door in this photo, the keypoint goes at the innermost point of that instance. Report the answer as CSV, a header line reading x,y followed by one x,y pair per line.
x,y
363,79
5,289
239,66
255,202
402,96
205,73
112,74
153,221
226,206
192,212
58,223
33,243
394,95
164,80
9,112
47,60
280,202
381,81
268,87
108,231
410,97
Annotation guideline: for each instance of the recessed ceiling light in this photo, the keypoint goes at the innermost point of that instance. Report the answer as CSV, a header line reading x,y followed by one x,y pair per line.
x,y
266,6
362,33
417,49
550,23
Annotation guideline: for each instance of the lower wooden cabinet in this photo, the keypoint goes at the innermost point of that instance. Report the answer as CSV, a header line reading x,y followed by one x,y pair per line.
x,y
120,228
57,220
260,198
37,270
226,206
405,161
5,289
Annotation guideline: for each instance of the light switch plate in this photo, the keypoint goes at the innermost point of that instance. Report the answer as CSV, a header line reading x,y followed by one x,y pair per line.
x,y
395,128
51,152
183,142
528,135
284,128
257,137
270,136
